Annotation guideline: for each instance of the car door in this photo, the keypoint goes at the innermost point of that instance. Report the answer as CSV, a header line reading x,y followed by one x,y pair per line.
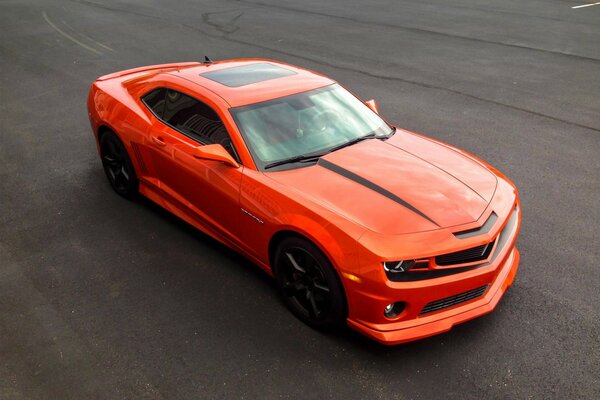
x,y
205,190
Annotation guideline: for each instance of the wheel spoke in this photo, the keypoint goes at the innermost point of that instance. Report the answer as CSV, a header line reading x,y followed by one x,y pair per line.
x,y
111,160
321,288
113,177
313,309
295,264
124,173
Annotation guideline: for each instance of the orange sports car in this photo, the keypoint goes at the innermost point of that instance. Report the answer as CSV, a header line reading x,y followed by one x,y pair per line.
x,y
360,222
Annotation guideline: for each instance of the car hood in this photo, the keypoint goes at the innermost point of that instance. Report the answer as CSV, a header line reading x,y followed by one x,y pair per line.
x,y
402,185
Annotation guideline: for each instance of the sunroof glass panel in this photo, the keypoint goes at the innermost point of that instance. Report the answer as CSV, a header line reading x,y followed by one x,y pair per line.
x,y
247,74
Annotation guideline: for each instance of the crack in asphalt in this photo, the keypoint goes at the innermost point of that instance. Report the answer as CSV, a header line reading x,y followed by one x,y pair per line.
x,y
420,30
224,28
226,36
487,10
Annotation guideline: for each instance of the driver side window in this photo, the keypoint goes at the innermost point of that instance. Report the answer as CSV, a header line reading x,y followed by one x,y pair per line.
x,y
190,117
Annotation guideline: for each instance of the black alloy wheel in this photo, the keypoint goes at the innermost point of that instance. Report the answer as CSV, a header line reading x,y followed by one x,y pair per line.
x,y
309,285
117,166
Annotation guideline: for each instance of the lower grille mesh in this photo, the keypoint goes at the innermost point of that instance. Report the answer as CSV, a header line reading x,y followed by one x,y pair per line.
x,y
453,300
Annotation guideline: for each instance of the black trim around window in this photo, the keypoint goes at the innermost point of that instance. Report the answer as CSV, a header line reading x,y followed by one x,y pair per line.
x,y
195,138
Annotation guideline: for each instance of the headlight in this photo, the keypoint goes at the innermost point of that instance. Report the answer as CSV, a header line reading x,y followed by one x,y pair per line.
x,y
398,266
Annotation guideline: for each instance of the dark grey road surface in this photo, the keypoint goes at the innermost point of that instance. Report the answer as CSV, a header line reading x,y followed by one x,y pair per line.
x,y
101,298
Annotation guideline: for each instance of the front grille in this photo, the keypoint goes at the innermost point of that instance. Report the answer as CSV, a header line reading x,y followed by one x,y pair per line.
x,y
473,254
453,300
471,263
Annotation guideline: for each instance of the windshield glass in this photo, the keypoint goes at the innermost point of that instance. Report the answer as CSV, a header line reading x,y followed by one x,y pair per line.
x,y
309,123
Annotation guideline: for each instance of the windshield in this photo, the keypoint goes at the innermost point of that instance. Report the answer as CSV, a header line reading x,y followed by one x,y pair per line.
x,y
304,124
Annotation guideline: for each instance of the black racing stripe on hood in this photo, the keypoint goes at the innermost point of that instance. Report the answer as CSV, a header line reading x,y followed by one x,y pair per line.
x,y
367,183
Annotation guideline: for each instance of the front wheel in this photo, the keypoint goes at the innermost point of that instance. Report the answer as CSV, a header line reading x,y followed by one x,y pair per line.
x,y
117,166
309,285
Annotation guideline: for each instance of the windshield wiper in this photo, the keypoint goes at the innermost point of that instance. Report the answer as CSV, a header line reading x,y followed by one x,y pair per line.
x,y
314,157
300,159
371,135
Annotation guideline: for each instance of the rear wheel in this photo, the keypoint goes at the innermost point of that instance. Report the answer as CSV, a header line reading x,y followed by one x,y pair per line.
x,y
117,165
309,285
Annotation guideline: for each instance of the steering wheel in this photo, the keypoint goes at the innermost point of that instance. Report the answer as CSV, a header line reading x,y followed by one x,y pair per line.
x,y
323,120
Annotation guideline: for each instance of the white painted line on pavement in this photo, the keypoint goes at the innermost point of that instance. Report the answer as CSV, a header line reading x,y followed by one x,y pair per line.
x,y
587,5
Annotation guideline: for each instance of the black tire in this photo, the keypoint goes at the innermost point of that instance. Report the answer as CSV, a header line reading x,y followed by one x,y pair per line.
x,y
117,166
308,284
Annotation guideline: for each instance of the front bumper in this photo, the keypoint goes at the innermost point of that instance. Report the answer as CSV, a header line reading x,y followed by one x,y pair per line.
x,y
367,301
439,322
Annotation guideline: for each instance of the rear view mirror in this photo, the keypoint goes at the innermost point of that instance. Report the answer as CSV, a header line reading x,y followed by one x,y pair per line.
x,y
214,152
372,104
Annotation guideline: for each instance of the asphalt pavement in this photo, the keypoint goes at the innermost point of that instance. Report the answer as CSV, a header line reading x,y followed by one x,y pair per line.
x,y
103,298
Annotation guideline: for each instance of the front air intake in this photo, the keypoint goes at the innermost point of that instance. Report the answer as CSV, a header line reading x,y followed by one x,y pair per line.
x,y
454,300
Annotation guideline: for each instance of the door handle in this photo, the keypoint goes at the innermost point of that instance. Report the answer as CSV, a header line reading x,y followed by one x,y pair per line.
x,y
159,140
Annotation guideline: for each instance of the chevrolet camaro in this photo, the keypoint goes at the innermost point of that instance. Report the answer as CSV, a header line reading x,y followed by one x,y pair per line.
x,y
359,221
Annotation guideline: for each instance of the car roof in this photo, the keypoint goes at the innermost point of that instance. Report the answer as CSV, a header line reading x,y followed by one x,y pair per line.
x,y
247,81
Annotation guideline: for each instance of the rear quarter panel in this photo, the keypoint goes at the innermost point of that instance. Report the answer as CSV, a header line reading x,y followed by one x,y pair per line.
x,y
112,106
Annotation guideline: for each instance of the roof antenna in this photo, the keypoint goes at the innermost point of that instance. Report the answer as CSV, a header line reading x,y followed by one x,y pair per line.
x,y
207,60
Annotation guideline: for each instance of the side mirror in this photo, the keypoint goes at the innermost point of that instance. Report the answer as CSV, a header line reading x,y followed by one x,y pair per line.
x,y
372,104
214,152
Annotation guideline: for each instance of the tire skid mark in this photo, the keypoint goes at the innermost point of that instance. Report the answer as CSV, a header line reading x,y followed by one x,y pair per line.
x,y
83,35
71,38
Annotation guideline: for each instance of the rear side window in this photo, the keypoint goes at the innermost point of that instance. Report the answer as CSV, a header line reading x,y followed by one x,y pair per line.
x,y
155,100
190,117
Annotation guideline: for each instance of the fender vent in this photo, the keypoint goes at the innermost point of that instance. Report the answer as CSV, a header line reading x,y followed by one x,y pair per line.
x,y
454,300
138,156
